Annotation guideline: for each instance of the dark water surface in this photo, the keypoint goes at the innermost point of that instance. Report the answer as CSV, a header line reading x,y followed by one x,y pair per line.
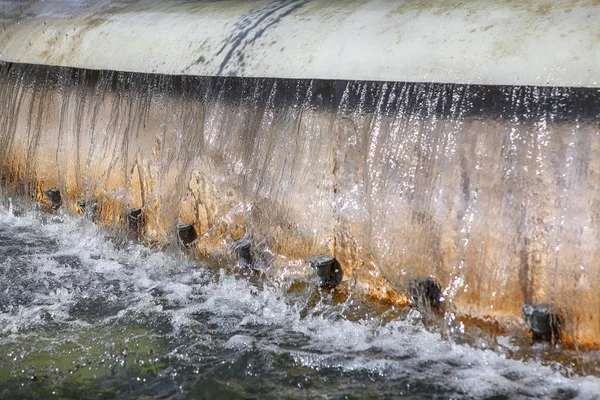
x,y
83,317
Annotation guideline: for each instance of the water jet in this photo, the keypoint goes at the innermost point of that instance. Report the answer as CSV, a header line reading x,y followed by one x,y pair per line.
x,y
135,219
242,249
186,234
328,270
543,321
425,293
53,198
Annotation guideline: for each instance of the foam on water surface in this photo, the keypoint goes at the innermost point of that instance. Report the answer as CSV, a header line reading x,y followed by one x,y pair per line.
x,y
81,314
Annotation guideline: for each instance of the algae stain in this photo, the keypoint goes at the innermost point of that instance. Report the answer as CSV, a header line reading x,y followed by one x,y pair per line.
x,y
81,360
543,9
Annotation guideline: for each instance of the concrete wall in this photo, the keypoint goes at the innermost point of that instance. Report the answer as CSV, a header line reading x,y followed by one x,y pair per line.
x,y
491,191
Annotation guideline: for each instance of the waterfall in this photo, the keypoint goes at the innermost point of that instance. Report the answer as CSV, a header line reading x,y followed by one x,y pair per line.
x,y
490,190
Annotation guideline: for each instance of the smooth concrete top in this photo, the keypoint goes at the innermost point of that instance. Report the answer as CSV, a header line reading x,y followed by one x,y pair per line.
x,y
536,42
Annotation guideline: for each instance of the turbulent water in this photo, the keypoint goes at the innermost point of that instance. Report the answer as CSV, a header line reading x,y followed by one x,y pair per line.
x,y
83,314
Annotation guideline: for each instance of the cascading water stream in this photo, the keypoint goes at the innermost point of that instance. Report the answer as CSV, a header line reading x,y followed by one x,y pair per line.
x,y
490,191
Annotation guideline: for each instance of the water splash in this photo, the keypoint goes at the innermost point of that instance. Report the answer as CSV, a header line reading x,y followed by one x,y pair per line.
x,y
110,319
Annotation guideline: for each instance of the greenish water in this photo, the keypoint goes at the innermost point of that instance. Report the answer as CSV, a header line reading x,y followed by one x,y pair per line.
x,y
83,317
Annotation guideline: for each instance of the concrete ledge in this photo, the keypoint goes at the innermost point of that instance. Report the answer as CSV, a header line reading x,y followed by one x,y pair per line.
x,y
541,42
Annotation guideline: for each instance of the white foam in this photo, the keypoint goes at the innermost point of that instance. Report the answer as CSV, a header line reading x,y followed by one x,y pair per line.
x,y
239,342
398,349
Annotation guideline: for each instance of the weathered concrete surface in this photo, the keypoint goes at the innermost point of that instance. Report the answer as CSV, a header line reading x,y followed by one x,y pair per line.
x,y
491,191
541,42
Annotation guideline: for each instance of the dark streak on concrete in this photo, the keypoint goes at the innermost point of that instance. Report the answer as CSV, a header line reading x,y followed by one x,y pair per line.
x,y
250,28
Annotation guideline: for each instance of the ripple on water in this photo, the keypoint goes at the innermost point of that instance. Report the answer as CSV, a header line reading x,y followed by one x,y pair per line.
x,y
80,316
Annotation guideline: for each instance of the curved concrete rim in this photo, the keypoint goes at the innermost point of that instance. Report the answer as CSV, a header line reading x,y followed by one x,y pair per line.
x,y
540,42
